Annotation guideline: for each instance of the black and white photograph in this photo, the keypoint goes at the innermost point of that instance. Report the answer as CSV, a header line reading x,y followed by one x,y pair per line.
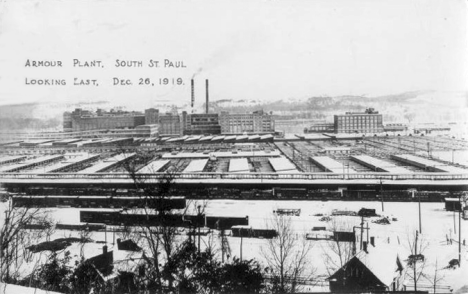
x,y
225,147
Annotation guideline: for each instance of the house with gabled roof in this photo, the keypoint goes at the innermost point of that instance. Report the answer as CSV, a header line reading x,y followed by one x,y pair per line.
x,y
373,269
120,266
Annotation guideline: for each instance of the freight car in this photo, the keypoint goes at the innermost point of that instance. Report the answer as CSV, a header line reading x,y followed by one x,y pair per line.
x,y
117,218
249,232
166,203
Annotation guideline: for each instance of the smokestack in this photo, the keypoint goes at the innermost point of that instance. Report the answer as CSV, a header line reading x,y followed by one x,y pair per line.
x,y
364,246
372,241
193,93
207,96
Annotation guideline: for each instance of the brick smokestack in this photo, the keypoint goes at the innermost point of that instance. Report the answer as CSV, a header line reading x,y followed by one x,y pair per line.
x,y
207,96
193,93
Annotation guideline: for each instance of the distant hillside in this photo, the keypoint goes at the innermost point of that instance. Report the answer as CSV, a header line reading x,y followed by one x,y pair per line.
x,y
408,106
418,106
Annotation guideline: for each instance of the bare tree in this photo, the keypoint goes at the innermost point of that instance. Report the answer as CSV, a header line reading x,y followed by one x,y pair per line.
x,y
286,256
336,253
15,238
158,231
435,278
416,261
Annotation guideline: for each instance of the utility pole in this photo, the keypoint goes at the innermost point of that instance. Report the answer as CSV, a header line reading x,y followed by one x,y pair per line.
x,y
354,243
362,230
1,245
222,246
454,222
419,207
367,232
419,204
199,217
241,243
343,172
381,195
414,262
459,231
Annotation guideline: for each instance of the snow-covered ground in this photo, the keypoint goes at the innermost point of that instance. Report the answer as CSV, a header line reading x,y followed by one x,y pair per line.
x,y
437,226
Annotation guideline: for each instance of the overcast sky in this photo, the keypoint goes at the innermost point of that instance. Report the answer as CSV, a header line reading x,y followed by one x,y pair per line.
x,y
248,49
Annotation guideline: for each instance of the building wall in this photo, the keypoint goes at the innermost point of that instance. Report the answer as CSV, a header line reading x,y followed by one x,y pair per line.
x,y
320,128
361,123
169,124
82,120
199,124
355,277
67,122
256,122
106,122
151,116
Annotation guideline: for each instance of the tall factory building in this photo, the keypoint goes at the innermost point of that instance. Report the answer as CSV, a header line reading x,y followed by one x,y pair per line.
x,y
369,121
151,116
201,124
67,122
238,123
83,120
169,124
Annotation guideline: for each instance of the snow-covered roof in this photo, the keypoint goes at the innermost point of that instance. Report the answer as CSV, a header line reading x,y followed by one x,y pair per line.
x,y
107,163
6,159
196,166
220,154
282,164
331,165
31,162
380,164
206,138
239,165
381,260
192,139
15,289
429,163
153,166
218,138
122,261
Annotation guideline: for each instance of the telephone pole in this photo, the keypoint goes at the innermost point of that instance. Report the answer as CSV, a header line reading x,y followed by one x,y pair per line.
x,y
415,258
459,231
198,224
381,195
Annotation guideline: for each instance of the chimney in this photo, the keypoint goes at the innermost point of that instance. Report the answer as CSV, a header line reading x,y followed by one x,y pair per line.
x,y
207,96
193,93
104,249
364,246
372,241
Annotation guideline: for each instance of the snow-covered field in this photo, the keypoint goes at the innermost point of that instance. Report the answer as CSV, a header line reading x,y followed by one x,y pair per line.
x,y
437,226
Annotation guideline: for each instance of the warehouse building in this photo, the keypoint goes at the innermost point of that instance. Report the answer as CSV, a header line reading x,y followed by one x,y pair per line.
x,y
200,123
238,123
84,120
369,121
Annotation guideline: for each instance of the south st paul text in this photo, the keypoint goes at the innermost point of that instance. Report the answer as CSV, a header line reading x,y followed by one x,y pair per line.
x,y
166,63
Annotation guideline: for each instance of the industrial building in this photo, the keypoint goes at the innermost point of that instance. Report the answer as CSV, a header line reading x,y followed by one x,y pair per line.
x,y
369,121
238,123
199,124
83,120
169,124
320,128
